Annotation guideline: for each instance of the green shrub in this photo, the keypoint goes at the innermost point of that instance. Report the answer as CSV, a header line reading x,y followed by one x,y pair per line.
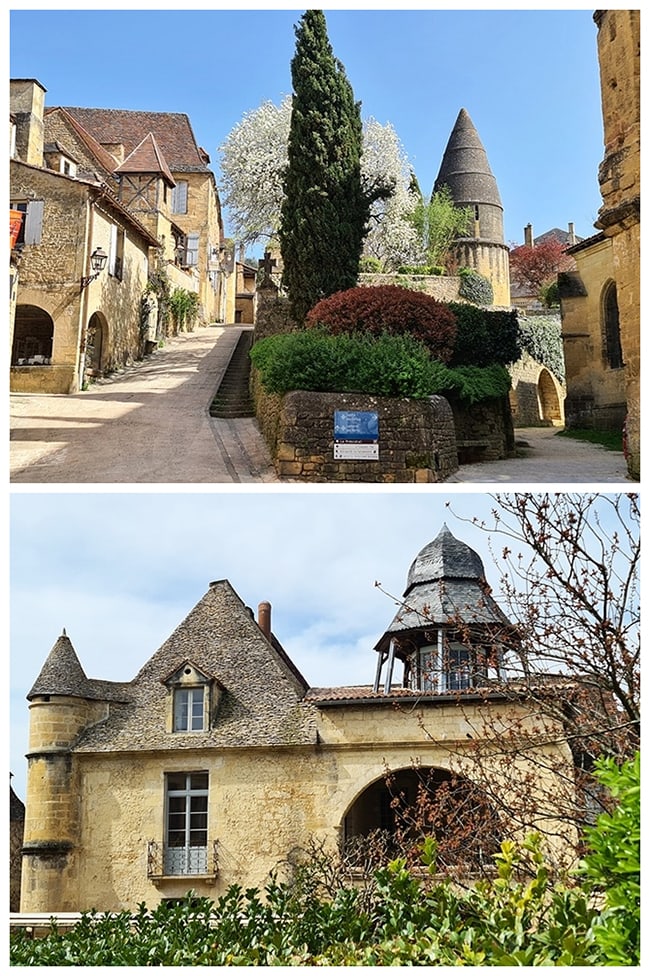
x,y
475,287
184,305
388,309
385,366
370,265
612,866
485,337
389,365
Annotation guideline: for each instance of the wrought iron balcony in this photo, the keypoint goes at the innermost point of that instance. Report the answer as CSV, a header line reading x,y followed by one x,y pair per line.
x,y
165,862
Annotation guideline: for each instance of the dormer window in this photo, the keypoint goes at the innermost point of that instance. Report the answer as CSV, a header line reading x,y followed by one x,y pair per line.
x,y
189,709
193,698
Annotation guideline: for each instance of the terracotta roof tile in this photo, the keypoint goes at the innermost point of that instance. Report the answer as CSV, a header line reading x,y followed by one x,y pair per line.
x,y
172,131
147,158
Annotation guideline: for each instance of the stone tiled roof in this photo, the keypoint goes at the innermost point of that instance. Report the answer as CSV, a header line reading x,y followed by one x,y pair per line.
x,y
62,674
465,168
172,132
445,584
262,702
147,158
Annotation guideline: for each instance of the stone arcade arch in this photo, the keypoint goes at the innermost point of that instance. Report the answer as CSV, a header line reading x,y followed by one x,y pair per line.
x,y
550,406
399,809
33,337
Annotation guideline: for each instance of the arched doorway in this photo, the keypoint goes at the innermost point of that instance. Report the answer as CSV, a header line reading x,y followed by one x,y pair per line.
x,y
550,409
33,337
95,344
394,814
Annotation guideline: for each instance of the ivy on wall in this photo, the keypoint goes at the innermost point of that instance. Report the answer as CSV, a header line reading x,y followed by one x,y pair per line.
x,y
541,337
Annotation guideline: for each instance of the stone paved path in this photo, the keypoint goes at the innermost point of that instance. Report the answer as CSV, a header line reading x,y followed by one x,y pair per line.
x,y
149,423
542,456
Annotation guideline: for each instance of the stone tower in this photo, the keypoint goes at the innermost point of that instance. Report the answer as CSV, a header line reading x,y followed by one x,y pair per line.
x,y
61,706
466,171
449,633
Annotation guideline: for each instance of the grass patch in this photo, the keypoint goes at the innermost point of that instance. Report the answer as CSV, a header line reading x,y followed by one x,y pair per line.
x,y
612,440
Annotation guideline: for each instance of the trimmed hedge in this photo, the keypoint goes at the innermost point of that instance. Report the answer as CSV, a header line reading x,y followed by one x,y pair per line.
x,y
485,338
387,365
388,309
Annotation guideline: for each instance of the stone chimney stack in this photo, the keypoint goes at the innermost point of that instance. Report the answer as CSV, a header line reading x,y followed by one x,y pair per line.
x,y
528,236
572,234
264,618
26,104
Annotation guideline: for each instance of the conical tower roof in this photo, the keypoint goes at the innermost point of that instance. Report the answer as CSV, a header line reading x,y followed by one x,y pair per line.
x,y
446,585
465,168
62,673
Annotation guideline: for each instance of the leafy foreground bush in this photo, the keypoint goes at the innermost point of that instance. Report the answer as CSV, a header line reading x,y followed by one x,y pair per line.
x,y
388,309
400,919
389,365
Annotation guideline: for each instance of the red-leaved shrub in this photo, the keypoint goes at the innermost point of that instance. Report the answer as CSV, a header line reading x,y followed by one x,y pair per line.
x,y
388,309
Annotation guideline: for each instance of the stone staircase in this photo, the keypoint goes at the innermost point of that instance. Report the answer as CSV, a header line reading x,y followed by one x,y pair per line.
x,y
232,399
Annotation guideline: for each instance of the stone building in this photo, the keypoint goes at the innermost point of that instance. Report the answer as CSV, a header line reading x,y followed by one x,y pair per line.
x,y
217,759
466,171
601,300
68,322
133,186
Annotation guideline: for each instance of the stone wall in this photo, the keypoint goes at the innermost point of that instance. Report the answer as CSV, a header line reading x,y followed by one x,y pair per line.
x,y
537,396
417,441
484,431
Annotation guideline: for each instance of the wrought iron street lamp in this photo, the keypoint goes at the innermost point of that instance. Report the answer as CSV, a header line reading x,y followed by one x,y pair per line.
x,y
98,261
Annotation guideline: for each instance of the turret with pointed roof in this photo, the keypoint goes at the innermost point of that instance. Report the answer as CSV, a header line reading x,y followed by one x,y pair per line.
x,y
465,170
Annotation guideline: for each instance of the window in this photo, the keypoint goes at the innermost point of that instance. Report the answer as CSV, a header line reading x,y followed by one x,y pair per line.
x,y
193,698
191,250
179,197
186,841
116,252
30,232
611,328
189,709
458,667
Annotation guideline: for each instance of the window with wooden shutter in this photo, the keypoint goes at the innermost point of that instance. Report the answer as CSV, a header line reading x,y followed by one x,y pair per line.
x,y
179,197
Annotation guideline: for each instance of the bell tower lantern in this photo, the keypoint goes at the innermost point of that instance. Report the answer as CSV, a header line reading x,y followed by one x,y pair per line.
x,y
449,634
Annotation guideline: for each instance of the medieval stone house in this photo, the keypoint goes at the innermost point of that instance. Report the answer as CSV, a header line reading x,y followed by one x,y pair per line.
x,y
131,186
601,300
218,759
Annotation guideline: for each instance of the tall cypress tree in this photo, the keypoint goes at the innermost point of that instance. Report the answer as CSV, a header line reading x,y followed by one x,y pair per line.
x,y
325,210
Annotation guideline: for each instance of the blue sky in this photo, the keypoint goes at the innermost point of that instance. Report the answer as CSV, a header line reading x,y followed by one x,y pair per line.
x,y
528,78
121,570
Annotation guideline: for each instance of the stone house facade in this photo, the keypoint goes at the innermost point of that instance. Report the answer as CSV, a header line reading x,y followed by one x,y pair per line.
x,y
67,322
79,194
601,301
218,758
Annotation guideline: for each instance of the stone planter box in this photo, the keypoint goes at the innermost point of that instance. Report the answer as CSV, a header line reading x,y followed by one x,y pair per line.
x,y
417,441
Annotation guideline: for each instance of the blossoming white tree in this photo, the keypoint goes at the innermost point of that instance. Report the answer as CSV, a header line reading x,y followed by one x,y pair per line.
x,y
254,156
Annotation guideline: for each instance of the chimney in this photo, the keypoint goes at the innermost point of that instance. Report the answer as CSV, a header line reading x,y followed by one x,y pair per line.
x,y
27,104
528,236
264,618
572,234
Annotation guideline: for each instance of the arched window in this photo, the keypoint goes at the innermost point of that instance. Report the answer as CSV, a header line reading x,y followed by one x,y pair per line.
x,y
611,328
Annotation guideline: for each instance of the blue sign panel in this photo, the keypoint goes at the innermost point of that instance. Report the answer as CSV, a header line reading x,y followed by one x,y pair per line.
x,y
356,425
356,435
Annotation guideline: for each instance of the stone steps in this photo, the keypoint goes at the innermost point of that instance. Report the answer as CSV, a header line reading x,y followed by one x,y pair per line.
x,y
232,399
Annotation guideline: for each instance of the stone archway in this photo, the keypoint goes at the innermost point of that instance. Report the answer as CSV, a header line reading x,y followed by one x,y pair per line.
x,y
550,404
96,344
394,814
33,337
